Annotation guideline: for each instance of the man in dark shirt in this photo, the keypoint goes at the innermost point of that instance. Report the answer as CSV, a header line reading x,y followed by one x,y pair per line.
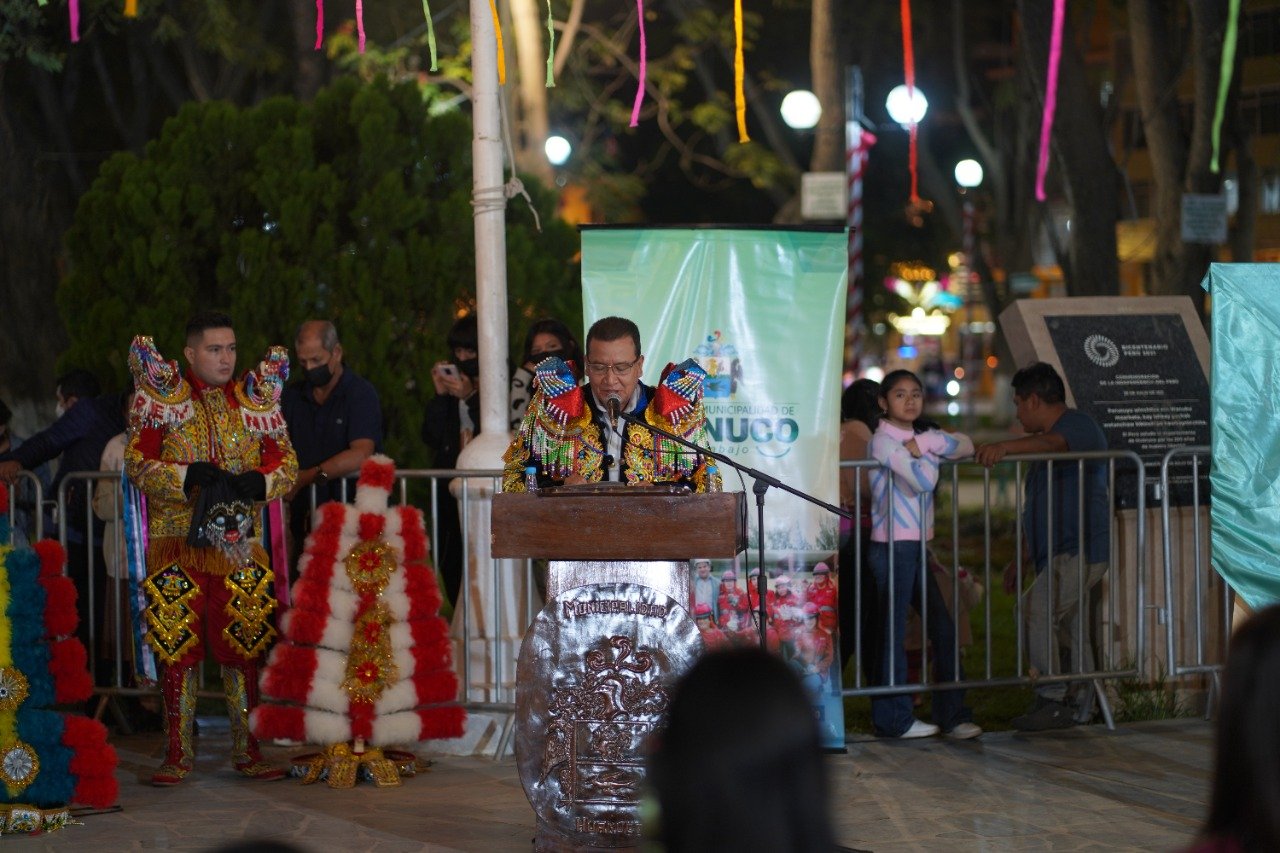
x,y
1056,602
335,423
87,420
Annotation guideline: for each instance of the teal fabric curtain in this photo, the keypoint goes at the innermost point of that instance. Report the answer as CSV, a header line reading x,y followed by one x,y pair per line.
x,y
1245,419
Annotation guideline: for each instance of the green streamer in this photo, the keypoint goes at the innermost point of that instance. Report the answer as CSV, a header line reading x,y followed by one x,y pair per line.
x,y
44,2
431,34
551,51
1224,78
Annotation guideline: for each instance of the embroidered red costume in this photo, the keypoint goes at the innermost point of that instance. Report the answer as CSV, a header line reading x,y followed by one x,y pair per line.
x,y
198,597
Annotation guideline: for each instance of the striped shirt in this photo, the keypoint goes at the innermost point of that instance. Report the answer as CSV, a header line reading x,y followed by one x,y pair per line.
x,y
911,478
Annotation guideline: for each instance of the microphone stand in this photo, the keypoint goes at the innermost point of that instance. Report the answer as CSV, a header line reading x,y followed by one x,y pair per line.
x,y
760,485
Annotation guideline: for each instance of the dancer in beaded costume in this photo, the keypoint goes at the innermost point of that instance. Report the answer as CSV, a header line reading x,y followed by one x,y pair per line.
x,y
203,449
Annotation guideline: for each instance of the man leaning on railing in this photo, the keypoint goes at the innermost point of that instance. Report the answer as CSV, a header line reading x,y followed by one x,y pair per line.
x,y
1053,599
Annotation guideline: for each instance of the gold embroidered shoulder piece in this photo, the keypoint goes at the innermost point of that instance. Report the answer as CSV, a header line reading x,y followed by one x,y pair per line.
x,y
163,397
259,393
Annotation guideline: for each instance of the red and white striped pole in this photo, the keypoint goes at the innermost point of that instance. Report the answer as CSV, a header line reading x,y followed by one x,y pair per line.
x,y
858,144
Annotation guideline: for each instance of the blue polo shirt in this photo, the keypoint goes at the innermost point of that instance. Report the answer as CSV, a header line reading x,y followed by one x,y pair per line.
x,y
319,431
1082,434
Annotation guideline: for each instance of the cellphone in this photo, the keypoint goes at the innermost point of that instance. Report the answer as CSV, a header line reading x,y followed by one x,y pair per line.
x,y
449,370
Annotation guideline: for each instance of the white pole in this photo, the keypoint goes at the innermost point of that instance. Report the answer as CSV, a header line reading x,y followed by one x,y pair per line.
x,y
487,622
490,203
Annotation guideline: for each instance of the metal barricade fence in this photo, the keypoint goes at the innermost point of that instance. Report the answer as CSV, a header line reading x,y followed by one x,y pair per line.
x,y
1126,581
1207,645
104,587
1124,555
26,508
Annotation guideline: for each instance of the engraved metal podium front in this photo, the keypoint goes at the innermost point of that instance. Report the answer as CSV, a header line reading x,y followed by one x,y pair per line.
x,y
597,664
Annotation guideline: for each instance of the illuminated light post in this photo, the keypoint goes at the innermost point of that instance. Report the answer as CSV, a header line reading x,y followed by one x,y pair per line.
x,y
801,110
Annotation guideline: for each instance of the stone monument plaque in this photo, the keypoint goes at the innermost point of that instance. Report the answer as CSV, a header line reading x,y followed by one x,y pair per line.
x,y
1138,372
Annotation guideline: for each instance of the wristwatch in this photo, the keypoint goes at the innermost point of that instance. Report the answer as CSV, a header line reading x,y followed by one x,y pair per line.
x,y
321,476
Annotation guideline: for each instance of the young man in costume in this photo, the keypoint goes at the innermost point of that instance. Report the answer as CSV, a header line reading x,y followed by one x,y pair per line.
x,y
569,434
203,449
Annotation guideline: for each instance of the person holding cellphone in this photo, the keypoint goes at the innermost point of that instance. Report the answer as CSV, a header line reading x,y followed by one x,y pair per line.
x,y
451,420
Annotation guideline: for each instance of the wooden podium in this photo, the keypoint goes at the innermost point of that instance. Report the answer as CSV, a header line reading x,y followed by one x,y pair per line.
x,y
597,665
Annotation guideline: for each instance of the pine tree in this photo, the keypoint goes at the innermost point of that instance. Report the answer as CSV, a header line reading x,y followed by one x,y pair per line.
x,y
354,207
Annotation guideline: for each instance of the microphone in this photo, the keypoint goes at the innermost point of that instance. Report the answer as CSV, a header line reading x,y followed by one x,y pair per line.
x,y
614,404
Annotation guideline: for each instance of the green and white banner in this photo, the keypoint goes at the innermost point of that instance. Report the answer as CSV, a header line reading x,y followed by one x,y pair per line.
x,y
762,311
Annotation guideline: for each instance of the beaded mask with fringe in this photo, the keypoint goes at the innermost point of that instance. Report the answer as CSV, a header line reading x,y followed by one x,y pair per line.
x,y
560,417
676,407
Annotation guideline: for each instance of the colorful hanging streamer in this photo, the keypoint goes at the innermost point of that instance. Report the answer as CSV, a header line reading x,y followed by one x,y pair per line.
x,y
360,22
136,539
909,72
644,50
739,66
273,526
131,8
431,33
74,7
551,51
1050,96
502,54
1224,79
319,23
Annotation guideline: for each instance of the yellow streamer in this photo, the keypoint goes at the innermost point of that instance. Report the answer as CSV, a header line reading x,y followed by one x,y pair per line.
x,y
502,54
739,100
6,636
131,8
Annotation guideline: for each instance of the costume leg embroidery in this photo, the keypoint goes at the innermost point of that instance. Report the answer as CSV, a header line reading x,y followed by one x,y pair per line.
x,y
178,691
248,631
241,686
171,618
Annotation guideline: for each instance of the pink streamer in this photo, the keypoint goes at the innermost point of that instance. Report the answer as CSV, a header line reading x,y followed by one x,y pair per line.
x,y
1050,96
75,20
360,22
635,109
279,555
319,23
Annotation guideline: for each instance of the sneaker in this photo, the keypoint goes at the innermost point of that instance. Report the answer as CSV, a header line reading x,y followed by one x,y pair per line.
x,y
965,731
1046,714
919,728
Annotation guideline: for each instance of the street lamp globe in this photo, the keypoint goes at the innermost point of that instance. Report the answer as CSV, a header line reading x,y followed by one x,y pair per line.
x,y
968,173
906,108
801,109
558,150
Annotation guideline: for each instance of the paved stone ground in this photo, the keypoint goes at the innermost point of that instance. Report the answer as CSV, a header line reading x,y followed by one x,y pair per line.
x,y
1141,787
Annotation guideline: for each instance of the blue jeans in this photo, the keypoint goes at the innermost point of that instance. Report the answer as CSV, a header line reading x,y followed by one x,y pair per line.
x,y
892,715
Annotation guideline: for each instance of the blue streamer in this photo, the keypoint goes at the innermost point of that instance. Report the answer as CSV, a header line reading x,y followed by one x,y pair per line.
x,y
135,537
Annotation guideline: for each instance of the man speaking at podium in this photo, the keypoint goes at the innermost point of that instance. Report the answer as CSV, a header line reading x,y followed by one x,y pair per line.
x,y
573,435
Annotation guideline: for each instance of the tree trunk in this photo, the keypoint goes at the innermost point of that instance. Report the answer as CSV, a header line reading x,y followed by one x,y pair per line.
x,y
1240,140
1089,175
31,332
530,142
308,63
824,65
1208,26
1152,29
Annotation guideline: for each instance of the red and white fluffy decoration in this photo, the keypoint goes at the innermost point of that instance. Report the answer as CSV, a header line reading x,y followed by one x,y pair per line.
x,y
306,685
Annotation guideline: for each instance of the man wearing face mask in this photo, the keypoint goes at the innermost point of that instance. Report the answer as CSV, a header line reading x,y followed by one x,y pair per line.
x,y
335,423
450,420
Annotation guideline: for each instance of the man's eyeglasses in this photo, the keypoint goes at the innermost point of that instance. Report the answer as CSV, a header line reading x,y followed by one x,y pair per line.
x,y
620,369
